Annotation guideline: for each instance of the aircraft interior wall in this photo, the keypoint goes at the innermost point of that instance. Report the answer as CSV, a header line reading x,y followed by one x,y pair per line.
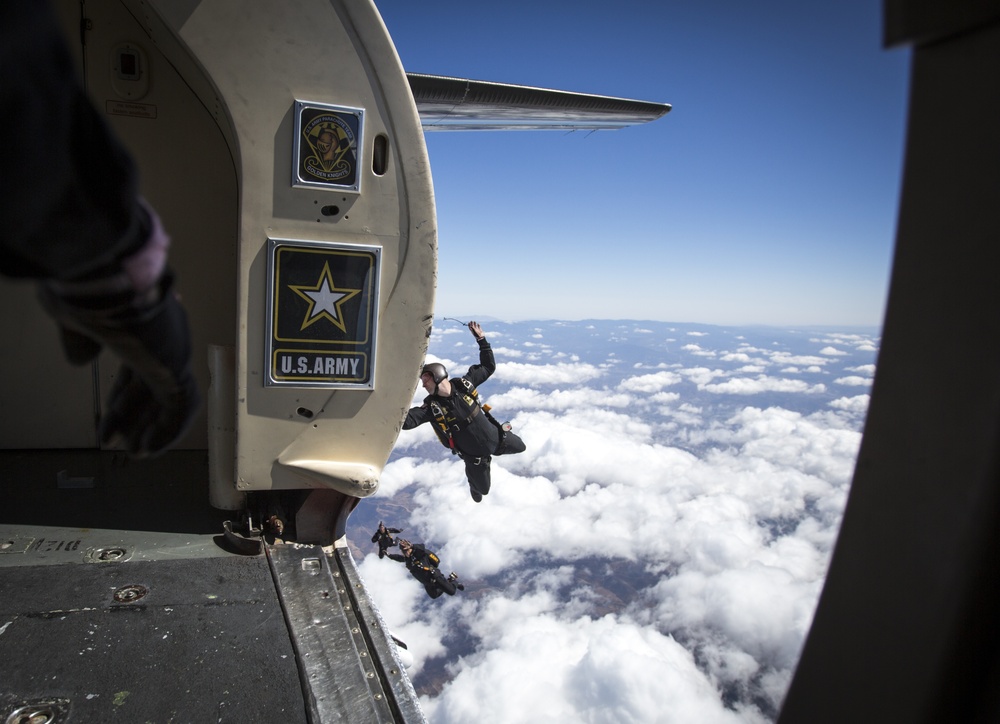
x,y
188,175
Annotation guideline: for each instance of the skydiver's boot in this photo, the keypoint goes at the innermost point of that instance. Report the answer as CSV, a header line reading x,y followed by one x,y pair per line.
x,y
476,495
453,577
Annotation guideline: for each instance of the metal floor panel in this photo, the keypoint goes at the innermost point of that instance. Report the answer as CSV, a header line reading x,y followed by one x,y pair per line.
x,y
196,634
193,640
121,600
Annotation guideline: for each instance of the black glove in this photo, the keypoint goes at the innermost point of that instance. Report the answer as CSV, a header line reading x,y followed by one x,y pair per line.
x,y
155,397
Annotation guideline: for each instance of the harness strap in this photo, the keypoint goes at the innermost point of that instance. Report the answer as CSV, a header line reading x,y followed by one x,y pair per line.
x,y
444,430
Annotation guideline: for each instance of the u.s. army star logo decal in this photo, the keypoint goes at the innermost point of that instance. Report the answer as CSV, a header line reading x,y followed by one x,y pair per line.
x,y
325,300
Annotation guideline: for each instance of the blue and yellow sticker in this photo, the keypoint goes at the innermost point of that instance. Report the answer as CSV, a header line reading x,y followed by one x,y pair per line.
x,y
322,314
327,148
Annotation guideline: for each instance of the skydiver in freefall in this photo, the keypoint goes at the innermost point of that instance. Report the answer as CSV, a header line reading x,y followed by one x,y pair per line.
x,y
423,565
461,423
383,536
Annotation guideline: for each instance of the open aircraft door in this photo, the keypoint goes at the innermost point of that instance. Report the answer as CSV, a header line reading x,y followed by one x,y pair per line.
x,y
282,148
336,247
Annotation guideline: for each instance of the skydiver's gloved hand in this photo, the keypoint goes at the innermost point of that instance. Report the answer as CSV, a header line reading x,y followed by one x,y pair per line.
x,y
131,308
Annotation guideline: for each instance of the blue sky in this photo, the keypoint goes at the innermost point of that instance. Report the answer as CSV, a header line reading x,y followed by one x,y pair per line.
x,y
768,194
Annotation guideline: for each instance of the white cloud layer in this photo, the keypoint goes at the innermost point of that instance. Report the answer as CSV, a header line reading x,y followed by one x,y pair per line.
x,y
651,556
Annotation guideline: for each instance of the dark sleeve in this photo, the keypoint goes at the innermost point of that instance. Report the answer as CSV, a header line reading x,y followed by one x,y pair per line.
x,y
478,374
396,557
68,187
375,537
417,416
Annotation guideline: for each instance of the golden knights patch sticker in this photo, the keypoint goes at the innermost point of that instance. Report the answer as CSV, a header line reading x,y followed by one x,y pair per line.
x,y
322,312
327,148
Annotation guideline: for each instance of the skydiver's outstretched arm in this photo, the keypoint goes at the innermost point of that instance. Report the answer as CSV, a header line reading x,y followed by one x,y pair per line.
x,y
478,374
417,416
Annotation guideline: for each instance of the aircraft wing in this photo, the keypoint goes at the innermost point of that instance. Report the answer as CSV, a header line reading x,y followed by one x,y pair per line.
x,y
460,104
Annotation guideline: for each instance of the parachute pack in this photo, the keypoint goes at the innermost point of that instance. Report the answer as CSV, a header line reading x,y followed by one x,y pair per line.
x,y
432,561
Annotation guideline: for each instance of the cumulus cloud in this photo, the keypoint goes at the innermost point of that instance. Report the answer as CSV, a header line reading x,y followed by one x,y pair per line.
x,y
858,403
863,342
576,669
762,383
650,383
561,373
702,375
508,352
853,381
786,358
698,351
525,398
866,370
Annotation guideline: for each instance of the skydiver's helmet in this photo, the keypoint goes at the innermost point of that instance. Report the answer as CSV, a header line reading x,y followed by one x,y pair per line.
x,y
437,372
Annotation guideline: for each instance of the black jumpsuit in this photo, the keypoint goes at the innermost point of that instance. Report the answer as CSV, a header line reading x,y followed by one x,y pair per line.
x,y
383,536
425,570
472,434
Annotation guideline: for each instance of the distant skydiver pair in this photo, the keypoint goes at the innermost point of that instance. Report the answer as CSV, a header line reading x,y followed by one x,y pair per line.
x,y
461,423
423,565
